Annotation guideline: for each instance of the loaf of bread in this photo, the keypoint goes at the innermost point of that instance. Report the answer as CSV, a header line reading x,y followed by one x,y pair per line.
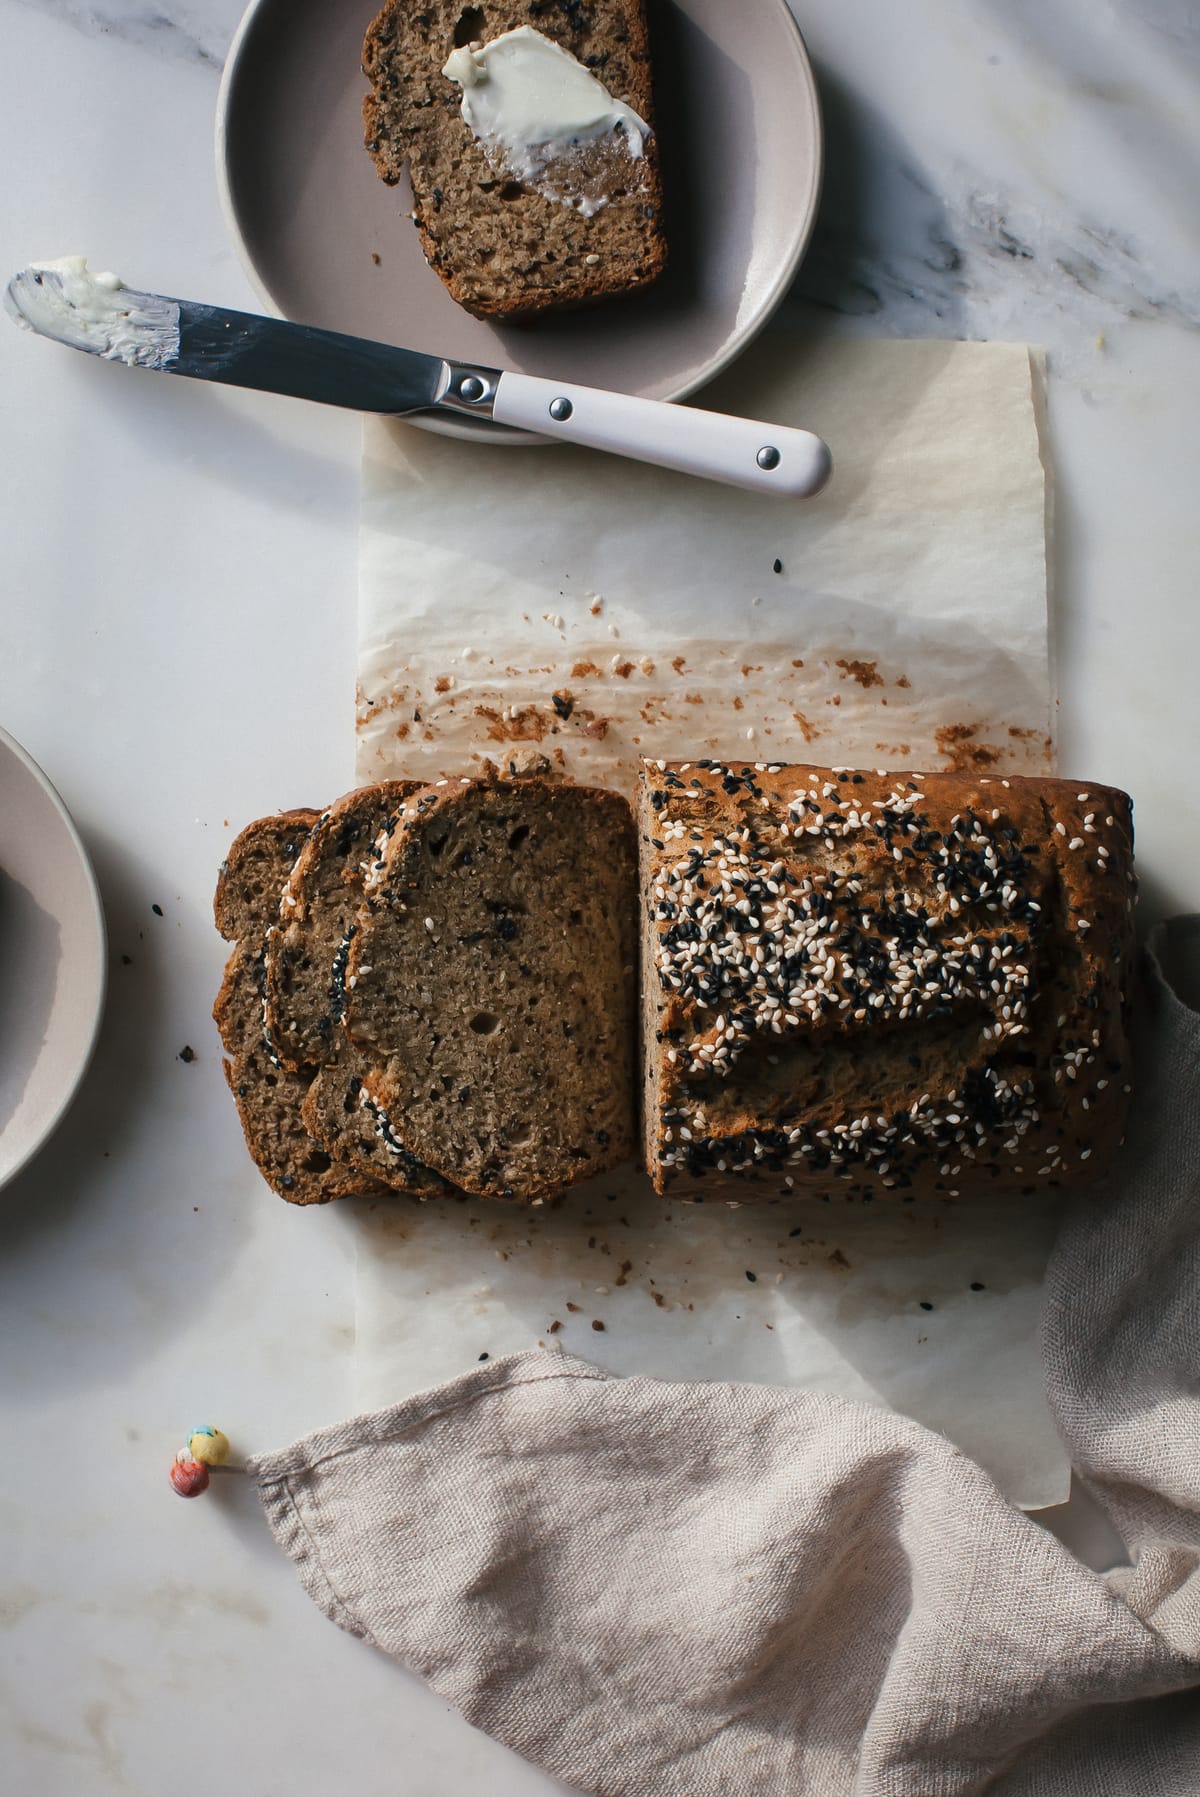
x,y
507,247
267,1095
874,983
491,984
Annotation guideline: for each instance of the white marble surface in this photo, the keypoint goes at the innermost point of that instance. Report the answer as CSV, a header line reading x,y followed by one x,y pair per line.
x,y
178,575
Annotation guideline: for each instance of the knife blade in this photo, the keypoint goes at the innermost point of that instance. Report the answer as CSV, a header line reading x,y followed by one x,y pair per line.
x,y
69,303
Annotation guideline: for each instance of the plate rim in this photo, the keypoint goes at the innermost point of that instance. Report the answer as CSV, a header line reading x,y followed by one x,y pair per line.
x,y
481,430
71,1086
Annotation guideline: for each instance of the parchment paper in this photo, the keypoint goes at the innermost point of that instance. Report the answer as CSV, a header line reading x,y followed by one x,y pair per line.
x,y
906,628
600,611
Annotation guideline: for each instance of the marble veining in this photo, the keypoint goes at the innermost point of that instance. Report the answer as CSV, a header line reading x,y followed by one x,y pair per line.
x,y
960,269
1029,170
186,34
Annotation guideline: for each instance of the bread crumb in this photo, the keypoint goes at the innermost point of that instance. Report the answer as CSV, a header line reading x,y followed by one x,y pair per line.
x,y
595,604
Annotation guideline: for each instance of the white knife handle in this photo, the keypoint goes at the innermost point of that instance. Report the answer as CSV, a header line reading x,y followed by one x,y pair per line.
x,y
766,458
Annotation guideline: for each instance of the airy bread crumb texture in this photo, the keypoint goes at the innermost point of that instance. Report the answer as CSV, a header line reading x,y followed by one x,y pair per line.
x,y
492,984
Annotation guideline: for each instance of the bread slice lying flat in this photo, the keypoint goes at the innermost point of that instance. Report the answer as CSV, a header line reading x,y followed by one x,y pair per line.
x,y
267,1095
492,984
866,983
305,956
304,973
503,248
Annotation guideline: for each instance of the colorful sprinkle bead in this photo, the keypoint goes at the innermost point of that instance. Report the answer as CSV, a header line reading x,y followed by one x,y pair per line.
x,y
209,1445
188,1476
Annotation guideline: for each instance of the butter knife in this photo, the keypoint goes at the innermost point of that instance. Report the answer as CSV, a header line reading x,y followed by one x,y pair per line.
x,y
72,304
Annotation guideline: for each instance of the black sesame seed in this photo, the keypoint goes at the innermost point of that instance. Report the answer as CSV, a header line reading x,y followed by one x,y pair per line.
x,y
777,565
752,1277
485,1356
925,1304
157,910
187,1053
977,1285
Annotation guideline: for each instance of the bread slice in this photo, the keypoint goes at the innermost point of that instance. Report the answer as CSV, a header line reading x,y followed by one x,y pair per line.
x,y
341,1113
306,949
268,1097
916,984
502,247
302,979
492,984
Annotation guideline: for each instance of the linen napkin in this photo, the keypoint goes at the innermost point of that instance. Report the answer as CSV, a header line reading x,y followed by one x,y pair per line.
x,y
683,1590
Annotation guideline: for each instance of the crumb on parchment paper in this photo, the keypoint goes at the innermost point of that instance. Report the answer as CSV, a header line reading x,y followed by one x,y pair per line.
x,y
963,754
865,672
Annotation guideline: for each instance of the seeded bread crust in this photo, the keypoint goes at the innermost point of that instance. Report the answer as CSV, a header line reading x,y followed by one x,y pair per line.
x,y
503,1056
267,1096
874,984
503,249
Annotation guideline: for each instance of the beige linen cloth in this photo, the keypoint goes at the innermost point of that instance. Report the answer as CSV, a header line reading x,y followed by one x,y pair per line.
x,y
667,1590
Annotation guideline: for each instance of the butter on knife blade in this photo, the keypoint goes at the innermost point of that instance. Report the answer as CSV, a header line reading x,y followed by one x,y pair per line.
x,y
70,304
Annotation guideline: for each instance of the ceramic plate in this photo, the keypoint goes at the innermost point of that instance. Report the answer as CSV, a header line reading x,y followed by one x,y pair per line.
x,y
52,958
740,138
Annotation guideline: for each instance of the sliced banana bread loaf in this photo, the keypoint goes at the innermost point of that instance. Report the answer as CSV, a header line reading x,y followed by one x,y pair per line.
x,y
872,983
505,246
268,1097
491,984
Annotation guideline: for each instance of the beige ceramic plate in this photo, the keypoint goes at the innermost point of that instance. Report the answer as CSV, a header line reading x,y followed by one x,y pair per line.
x,y
740,134
52,958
